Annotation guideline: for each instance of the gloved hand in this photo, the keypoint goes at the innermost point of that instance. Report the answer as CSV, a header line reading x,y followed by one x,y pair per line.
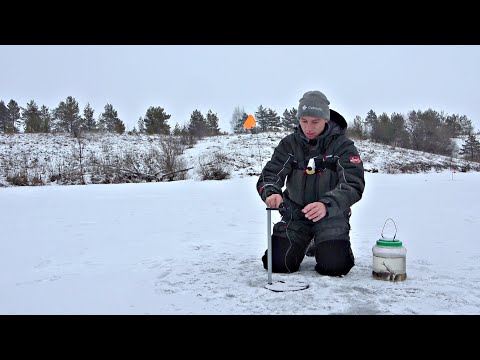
x,y
285,209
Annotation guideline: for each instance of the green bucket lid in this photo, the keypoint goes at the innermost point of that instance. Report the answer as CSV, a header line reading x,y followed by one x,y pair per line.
x,y
389,242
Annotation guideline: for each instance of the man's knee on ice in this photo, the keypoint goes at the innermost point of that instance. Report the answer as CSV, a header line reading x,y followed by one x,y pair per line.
x,y
334,257
284,260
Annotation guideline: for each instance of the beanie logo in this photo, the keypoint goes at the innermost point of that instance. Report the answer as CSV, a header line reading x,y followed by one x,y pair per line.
x,y
311,107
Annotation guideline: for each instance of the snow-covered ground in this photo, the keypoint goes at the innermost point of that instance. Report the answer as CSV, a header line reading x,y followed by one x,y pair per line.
x,y
194,247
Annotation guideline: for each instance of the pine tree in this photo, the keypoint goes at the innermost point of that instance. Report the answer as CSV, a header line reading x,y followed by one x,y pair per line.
x,y
198,125
109,121
67,116
3,117
155,121
13,116
382,129
466,126
212,123
273,120
289,119
177,130
471,148
46,119
452,122
429,133
119,126
89,123
261,116
31,118
399,133
370,122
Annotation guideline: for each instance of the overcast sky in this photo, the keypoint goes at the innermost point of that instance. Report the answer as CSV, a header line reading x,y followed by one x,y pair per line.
x,y
184,78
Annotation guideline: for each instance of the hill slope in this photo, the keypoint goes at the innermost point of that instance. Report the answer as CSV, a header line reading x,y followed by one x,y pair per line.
x,y
39,158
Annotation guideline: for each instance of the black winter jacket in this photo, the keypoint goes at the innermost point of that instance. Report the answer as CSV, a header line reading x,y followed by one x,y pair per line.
x,y
339,178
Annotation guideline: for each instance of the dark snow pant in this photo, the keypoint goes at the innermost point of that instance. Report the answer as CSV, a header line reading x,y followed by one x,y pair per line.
x,y
291,238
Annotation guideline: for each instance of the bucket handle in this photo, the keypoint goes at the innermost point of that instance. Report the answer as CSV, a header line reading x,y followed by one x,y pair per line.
x,y
383,237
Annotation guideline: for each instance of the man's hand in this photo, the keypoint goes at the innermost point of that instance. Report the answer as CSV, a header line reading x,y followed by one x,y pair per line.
x,y
315,211
274,200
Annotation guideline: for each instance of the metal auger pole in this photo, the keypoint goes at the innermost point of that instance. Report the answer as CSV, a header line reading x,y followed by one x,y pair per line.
x,y
269,242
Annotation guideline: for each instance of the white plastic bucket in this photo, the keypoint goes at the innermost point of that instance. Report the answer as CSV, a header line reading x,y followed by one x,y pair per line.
x,y
389,258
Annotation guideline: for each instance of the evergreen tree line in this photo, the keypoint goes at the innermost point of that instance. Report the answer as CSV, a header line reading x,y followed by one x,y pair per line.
x,y
267,120
66,118
430,131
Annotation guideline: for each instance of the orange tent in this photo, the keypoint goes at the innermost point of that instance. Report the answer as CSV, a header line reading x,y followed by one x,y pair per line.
x,y
250,122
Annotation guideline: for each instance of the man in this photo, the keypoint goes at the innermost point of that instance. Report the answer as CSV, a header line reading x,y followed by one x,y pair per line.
x,y
324,178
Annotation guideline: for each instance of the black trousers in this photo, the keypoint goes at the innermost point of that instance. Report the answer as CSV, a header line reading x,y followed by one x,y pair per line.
x,y
291,238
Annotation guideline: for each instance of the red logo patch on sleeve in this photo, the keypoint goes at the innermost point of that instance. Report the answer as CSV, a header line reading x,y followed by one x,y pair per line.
x,y
355,159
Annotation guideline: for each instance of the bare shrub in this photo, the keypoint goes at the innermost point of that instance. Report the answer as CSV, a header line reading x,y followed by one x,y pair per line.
x,y
170,161
37,180
188,140
162,162
18,179
78,157
23,178
214,166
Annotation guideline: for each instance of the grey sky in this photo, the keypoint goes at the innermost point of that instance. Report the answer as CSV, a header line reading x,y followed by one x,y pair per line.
x,y
184,78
